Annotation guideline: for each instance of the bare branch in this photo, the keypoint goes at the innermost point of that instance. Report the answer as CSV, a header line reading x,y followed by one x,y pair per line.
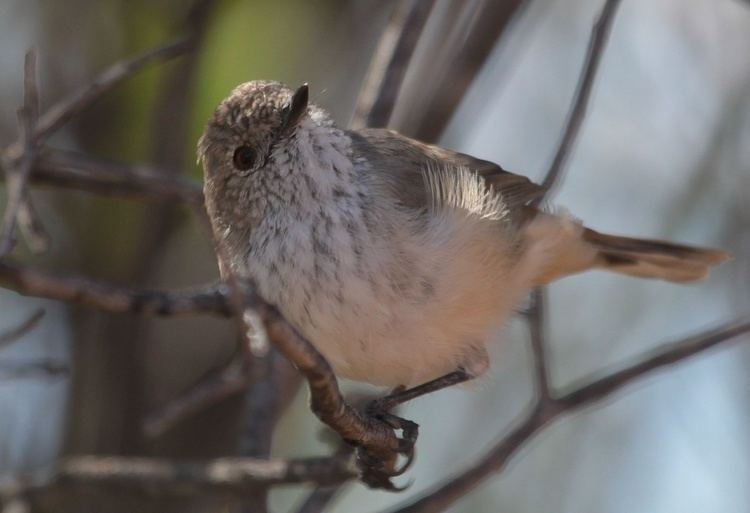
x,y
453,78
388,66
110,298
317,500
535,318
597,42
445,494
17,173
241,477
31,228
227,382
67,108
45,368
78,171
22,329
326,400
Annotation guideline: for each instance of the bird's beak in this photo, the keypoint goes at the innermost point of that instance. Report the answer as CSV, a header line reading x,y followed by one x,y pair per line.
x,y
296,109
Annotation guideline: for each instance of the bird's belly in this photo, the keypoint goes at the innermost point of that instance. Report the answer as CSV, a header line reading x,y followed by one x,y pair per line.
x,y
399,313
404,335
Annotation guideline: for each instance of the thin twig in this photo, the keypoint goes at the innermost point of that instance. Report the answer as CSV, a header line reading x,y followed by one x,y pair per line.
x,y
22,329
326,400
219,385
17,172
45,368
378,94
445,494
535,318
31,227
78,171
211,299
241,477
458,69
597,42
317,500
67,108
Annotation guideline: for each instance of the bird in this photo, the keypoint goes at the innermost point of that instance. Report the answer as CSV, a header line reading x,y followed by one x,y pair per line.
x,y
400,261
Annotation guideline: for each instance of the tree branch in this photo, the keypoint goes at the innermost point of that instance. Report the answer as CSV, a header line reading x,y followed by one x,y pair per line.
x,y
230,380
113,299
597,42
83,172
389,63
442,496
67,108
22,329
241,477
17,173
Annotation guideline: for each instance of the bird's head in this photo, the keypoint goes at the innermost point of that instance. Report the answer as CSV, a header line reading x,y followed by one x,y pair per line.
x,y
263,150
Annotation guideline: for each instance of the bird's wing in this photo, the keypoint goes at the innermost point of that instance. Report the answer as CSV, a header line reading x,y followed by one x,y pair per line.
x,y
404,161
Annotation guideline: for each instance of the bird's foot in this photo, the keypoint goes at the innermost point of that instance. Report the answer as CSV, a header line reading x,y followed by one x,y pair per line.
x,y
378,469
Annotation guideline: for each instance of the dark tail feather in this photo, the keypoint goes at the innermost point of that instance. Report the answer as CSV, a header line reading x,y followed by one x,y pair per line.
x,y
653,258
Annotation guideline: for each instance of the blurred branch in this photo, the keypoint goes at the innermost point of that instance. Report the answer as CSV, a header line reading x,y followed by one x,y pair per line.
x,y
535,319
46,368
389,63
111,298
376,438
442,496
597,42
17,171
219,385
22,329
64,110
69,169
317,500
241,477
326,399
454,77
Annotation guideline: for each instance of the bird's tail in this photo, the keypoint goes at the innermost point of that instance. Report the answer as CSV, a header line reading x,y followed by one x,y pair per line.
x,y
652,258
562,247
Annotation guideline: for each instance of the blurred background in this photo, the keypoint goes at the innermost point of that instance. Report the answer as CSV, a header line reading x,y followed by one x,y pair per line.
x,y
664,152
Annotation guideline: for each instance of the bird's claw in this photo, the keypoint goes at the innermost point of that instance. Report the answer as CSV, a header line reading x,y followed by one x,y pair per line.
x,y
377,472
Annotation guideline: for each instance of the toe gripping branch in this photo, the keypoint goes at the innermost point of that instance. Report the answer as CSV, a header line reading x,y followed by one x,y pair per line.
x,y
378,468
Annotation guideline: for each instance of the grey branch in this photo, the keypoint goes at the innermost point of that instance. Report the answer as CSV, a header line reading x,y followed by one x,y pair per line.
x,y
73,170
327,401
67,108
597,42
442,496
111,298
10,370
22,329
17,170
378,94
241,477
230,380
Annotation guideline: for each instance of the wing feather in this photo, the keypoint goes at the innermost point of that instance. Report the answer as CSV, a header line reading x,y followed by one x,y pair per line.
x,y
406,163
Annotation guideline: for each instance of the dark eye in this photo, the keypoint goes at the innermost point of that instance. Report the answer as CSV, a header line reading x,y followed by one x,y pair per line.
x,y
244,158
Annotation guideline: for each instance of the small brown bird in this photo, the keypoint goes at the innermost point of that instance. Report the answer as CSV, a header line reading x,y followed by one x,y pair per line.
x,y
400,261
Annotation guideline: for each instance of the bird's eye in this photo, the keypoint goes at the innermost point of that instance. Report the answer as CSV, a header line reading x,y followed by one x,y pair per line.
x,y
244,158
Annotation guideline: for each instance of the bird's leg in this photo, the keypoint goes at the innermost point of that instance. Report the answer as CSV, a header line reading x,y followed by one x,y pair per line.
x,y
401,395
378,476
